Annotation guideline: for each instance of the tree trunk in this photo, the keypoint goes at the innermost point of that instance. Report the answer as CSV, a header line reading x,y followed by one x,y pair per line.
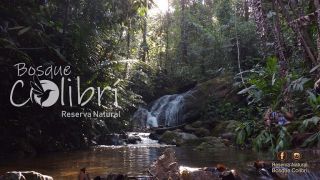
x,y
317,5
280,46
261,25
246,10
128,49
306,45
144,36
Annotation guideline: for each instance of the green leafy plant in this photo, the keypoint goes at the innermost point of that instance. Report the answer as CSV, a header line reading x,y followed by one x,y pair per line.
x,y
312,140
274,139
264,85
313,125
313,101
244,132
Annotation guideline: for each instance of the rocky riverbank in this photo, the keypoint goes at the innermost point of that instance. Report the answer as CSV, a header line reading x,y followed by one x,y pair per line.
x,y
200,134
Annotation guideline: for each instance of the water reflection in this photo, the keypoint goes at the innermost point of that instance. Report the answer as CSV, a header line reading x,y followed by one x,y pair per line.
x,y
134,160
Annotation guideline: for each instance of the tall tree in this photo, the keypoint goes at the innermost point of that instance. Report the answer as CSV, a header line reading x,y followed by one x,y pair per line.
x,y
144,35
317,5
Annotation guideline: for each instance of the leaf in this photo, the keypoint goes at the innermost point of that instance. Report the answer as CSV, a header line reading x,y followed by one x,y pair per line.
x,y
273,79
16,27
280,145
314,68
311,140
312,96
24,30
60,56
314,121
241,136
243,91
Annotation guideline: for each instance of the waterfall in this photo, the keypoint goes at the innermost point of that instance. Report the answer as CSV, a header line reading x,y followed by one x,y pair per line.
x,y
168,110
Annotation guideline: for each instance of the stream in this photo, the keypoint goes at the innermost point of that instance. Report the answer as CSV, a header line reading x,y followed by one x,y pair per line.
x,y
135,159
130,159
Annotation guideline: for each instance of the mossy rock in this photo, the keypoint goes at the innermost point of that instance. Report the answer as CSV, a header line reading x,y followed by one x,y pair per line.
x,y
201,132
177,138
188,128
197,124
170,137
225,127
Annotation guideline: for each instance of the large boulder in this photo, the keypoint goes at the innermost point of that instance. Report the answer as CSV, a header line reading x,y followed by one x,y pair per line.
x,y
225,127
176,138
195,103
24,175
200,131
134,139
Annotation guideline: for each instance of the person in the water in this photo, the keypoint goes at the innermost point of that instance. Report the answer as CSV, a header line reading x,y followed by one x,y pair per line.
x,y
83,175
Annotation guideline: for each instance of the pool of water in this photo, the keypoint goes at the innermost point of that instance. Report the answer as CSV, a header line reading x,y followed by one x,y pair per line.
x,y
135,160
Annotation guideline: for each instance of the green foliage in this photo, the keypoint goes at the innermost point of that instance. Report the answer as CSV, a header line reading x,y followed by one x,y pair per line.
x,y
274,139
265,139
86,35
211,46
312,140
264,84
244,132
310,124
314,101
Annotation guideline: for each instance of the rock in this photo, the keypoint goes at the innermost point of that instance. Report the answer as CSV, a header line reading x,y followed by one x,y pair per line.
x,y
200,132
24,175
176,138
196,124
187,136
229,175
264,168
165,166
154,136
225,127
133,139
170,137
229,136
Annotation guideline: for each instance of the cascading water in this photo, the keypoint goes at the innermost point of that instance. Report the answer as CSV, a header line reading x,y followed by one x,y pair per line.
x,y
165,111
